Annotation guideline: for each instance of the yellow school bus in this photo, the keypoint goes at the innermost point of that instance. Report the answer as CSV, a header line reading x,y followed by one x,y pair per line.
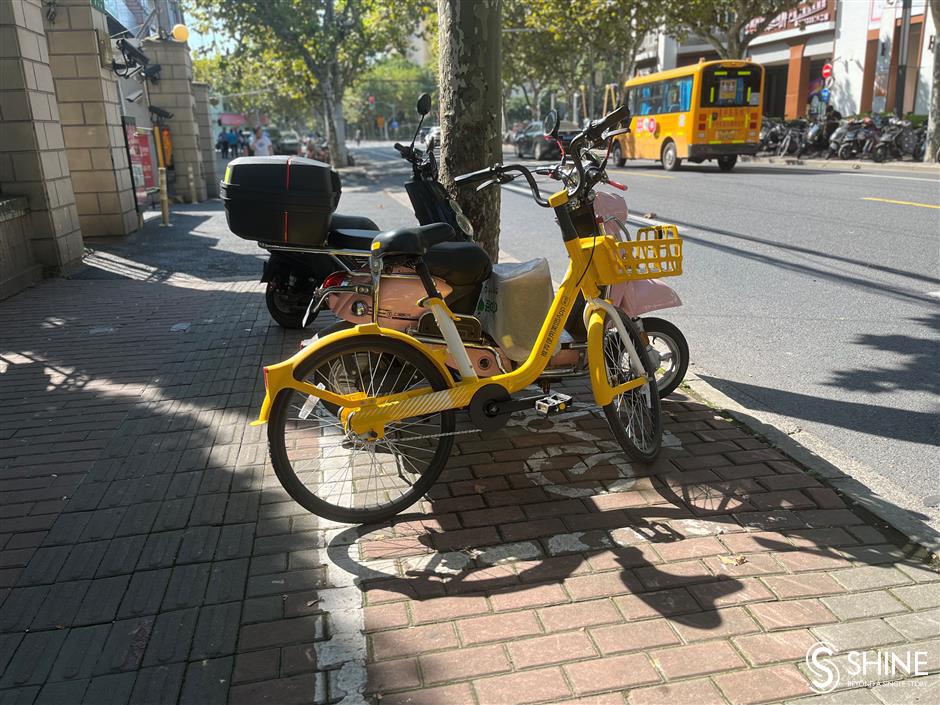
x,y
709,110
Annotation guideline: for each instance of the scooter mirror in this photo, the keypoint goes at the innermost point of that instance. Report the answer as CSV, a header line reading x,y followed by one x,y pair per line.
x,y
424,104
550,124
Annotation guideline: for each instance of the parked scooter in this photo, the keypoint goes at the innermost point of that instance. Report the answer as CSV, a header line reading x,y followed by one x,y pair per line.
x,y
512,301
293,277
897,140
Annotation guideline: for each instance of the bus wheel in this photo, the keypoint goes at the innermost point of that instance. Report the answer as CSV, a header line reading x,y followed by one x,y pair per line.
x,y
726,162
617,155
669,158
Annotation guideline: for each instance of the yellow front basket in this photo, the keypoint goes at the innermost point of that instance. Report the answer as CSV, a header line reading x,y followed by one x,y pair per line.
x,y
655,252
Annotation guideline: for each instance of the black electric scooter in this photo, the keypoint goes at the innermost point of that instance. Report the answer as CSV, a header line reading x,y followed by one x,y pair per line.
x,y
293,277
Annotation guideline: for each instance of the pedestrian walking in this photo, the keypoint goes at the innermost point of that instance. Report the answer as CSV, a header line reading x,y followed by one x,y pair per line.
x,y
358,136
222,144
232,138
261,144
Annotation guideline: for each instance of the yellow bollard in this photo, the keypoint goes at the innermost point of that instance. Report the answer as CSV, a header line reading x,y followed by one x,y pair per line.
x,y
164,198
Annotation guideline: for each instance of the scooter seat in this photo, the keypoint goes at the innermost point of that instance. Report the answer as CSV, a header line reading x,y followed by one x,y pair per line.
x,y
459,263
413,241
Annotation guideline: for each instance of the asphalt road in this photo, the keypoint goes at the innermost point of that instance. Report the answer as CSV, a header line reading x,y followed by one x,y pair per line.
x,y
812,294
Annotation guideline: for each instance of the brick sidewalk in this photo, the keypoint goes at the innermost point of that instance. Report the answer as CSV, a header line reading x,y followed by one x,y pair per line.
x,y
148,554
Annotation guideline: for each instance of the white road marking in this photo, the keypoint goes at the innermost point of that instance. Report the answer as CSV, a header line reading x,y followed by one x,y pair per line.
x,y
934,294
882,176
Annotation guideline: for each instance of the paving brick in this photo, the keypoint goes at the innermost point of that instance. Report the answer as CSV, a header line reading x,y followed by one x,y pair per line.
x,y
67,528
198,544
256,665
653,604
160,550
173,514
697,692
139,519
216,631
44,566
398,643
618,638
699,626
298,658
158,685
60,606
858,635
578,615
762,685
121,556
459,694
791,613
21,606
125,646
207,682
465,538
235,541
805,560
870,577
762,649
918,597
690,548
113,688
446,608
804,585
33,659
464,663
917,625
279,583
58,693
697,659
551,649
102,599
392,675
530,596
187,586
918,572
585,587
673,575
282,632
227,581
79,653
144,593
208,509
171,637
543,685
477,630
83,561
868,604
730,592
385,616
611,673
103,524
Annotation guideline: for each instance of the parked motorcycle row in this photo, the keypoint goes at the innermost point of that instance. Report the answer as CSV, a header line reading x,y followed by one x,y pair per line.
x,y
879,138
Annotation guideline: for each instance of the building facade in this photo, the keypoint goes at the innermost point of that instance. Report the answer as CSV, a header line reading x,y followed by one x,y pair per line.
x,y
862,40
78,131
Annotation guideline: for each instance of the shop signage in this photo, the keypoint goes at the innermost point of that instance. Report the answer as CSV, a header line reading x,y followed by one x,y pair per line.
x,y
803,15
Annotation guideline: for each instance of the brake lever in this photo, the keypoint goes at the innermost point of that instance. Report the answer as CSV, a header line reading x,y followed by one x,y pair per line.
x,y
486,184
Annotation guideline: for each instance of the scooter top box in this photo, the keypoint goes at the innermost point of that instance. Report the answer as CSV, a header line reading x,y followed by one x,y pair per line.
x,y
280,199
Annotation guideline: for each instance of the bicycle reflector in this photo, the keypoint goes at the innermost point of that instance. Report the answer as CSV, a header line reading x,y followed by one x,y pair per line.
x,y
335,279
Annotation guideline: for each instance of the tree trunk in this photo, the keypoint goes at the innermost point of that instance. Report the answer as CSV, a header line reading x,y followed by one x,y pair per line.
x,y
470,87
933,119
333,115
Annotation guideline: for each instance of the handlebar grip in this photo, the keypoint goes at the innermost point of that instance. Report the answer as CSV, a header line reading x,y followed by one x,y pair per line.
x,y
474,176
402,149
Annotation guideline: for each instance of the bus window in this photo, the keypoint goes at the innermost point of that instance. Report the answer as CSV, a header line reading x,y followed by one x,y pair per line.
x,y
731,87
678,95
650,98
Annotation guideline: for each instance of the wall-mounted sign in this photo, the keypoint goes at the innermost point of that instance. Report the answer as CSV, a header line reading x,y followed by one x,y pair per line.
x,y
803,15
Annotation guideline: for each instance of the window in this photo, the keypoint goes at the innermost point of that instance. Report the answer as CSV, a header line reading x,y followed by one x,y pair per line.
x,y
677,97
731,87
650,98
672,96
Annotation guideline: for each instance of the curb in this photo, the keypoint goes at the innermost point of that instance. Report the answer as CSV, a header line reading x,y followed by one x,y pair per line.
x,y
855,481
844,165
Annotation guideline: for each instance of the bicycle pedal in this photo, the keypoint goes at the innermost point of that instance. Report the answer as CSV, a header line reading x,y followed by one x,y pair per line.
x,y
553,404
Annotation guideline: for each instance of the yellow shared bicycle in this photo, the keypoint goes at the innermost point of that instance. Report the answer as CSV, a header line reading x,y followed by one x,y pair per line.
x,y
362,422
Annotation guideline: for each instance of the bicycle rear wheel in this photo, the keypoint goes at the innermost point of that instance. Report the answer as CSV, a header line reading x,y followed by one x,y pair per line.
x,y
338,475
634,416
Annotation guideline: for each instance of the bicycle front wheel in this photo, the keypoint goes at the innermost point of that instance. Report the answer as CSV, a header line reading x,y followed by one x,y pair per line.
x,y
333,472
634,416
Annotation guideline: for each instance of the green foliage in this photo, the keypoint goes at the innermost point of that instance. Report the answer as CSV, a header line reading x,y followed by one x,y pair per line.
x,y
396,84
724,23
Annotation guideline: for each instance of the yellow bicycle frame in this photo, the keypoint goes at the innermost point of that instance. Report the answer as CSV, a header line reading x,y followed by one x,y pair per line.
x,y
370,415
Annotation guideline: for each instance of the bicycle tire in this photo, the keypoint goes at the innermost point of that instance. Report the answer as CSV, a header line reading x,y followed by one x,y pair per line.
x,y
650,451
284,468
678,346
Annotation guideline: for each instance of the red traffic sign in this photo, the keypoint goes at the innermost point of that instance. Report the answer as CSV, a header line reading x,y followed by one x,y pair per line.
x,y
827,70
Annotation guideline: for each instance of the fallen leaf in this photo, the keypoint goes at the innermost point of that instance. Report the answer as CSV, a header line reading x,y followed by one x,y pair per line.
x,y
732,560
479,489
649,215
